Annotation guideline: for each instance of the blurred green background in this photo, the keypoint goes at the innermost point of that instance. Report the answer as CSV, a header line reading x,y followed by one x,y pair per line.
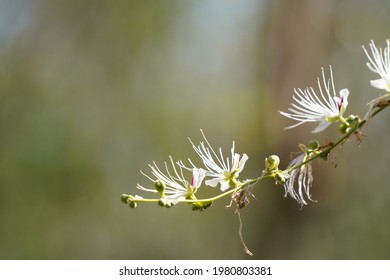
x,y
93,91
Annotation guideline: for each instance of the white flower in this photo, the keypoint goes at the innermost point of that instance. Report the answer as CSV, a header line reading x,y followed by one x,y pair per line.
x,y
303,175
310,107
379,63
221,171
176,187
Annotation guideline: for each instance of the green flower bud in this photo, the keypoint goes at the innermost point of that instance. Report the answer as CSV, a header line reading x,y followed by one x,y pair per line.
x,y
159,186
352,119
199,206
281,177
161,202
125,198
314,144
133,204
325,156
343,128
169,204
272,163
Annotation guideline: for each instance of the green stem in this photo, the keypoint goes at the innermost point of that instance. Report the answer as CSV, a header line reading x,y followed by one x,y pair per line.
x,y
211,199
379,106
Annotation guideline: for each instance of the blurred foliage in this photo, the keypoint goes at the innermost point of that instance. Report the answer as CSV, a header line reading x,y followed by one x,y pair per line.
x,y
92,91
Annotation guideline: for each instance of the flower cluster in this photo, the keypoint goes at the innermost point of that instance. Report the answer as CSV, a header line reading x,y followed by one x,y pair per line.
x,y
326,109
324,106
173,188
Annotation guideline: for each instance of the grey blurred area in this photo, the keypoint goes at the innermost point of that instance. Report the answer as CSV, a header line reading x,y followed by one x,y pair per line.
x,y
93,91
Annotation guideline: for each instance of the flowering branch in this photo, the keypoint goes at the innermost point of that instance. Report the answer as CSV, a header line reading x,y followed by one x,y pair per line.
x,y
324,107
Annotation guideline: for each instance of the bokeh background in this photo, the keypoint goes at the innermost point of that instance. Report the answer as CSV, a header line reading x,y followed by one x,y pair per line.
x,y
93,91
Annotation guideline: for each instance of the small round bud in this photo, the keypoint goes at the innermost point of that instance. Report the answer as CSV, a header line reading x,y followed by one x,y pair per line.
x,y
352,119
314,144
169,204
125,198
343,128
199,206
272,162
159,186
133,204
161,202
281,178
351,122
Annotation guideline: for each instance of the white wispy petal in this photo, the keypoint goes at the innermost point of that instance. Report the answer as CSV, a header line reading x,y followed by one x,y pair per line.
x,y
302,177
220,170
379,63
324,108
